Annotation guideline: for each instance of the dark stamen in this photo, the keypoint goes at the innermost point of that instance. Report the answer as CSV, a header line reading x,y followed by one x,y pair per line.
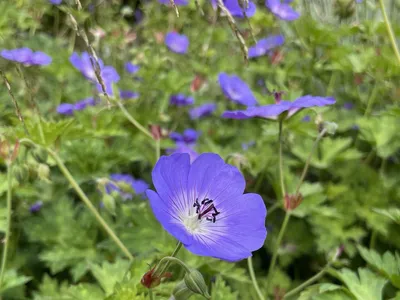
x,y
206,208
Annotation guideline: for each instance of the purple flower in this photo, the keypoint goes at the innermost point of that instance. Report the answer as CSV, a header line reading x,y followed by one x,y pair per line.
x,y
184,148
348,105
131,68
128,94
236,89
202,110
26,57
55,2
138,185
235,9
181,100
66,109
178,43
35,207
282,10
188,137
273,111
202,205
246,146
81,105
177,2
265,45
84,65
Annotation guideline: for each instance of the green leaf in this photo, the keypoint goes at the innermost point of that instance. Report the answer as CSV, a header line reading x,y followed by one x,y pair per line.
x,y
392,213
387,264
12,279
108,274
365,285
221,291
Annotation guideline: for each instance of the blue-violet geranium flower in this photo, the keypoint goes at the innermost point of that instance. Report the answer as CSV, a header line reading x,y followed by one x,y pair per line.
x,y
202,205
236,89
26,57
263,46
202,110
138,186
178,43
181,100
282,10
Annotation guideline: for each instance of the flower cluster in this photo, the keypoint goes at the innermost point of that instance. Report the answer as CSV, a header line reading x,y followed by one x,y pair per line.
x,y
26,57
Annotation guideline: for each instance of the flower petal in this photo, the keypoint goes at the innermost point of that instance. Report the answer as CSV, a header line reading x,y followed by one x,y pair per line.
x,y
165,214
310,101
170,178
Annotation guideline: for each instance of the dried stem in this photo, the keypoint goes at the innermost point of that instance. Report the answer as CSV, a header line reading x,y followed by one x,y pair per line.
x,y
172,2
235,30
17,110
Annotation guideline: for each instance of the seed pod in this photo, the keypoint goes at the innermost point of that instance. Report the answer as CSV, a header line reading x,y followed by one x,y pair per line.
x,y
39,154
181,291
195,282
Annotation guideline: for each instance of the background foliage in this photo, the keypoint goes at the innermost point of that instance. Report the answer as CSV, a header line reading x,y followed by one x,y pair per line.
x,y
351,194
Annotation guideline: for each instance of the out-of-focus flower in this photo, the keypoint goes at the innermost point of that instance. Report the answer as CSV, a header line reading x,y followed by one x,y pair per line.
x,y
282,10
264,46
131,68
84,65
202,205
128,94
202,110
273,111
236,89
66,109
26,57
188,137
81,105
246,146
139,186
235,9
181,100
348,105
177,2
178,43
55,2
35,207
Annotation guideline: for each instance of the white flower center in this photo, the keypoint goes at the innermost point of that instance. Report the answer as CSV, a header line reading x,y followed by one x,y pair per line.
x,y
204,213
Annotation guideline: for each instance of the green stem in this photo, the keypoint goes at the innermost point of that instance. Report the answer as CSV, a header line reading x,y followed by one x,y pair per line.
x,y
371,100
151,294
157,141
133,120
307,283
281,160
178,247
278,243
305,169
390,31
254,279
89,204
8,228
273,207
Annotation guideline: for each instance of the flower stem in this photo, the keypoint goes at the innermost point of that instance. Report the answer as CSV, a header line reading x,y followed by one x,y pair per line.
x,y
89,204
151,294
133,120
371,100
307,283
254,279
278,243
8,228
157,141
281,160
390,31
178,247
305,169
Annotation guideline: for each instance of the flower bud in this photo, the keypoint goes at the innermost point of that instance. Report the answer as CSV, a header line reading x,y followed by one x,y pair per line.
x,y
181,292
109,203
292,201
344,9
39,154
195,282
43,172
21,173
330,127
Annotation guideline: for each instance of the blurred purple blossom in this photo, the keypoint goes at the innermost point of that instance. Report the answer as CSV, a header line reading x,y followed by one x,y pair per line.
x,y
66,109
126,94
188,137
178,43
55,2
26,57
181,100
131,68
273,111
282,10
138,185
84,65
202,110
246,146
235,9
263,46
177,2
35,207
236,89
348,105
184,148
81,105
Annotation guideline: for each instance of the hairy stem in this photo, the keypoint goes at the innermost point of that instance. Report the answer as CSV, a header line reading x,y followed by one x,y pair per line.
x,y
89,204
281,160
390,31
8,228
254,279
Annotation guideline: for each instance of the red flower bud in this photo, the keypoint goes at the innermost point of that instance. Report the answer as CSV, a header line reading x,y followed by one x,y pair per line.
x,y
292,201
150,279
